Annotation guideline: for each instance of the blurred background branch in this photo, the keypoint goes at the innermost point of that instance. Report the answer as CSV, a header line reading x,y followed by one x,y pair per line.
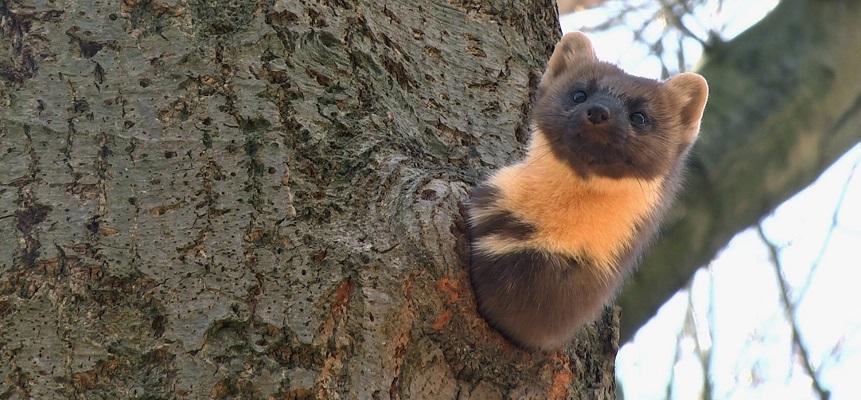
x,y
785,105
569,6
798,346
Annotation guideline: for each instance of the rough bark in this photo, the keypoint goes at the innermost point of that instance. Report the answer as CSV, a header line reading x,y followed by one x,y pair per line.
x,y
785,102
261,200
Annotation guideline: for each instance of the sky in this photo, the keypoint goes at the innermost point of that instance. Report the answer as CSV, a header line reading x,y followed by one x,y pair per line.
x,y
732,307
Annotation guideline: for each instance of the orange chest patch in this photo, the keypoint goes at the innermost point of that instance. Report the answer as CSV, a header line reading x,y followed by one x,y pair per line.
x,y
594,217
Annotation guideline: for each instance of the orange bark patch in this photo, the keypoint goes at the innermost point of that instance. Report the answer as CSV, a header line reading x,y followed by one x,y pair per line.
x,y
254,235
342,295
561,381
450,288
161,210
559,386
108,231
86,380
331,367
403,335
91,379
50,266
332,364
400,352
220,390
339,308
441,320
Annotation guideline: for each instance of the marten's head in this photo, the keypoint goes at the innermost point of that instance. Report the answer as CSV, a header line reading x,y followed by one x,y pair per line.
x,y
604,122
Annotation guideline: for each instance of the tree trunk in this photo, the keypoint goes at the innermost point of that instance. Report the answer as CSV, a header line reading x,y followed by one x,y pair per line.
x,y
785,103
261,200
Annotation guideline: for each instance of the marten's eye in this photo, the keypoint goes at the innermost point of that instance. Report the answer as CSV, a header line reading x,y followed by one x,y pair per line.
x,y
639,119
579,96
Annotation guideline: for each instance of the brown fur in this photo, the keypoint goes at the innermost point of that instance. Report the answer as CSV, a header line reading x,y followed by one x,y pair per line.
x,y
553,235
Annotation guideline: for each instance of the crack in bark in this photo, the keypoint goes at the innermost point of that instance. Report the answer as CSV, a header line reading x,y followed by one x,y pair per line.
x,y
16,26
67,152
101,167
326,338
133,187
403,339
30,212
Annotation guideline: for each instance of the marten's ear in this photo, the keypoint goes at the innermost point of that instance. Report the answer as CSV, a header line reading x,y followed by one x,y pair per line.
x,y
691,92
573,49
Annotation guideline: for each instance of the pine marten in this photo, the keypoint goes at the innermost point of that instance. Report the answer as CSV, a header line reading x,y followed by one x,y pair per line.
x,y
553,236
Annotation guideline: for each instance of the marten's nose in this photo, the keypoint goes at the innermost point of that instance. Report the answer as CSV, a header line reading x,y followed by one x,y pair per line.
x,y
598,114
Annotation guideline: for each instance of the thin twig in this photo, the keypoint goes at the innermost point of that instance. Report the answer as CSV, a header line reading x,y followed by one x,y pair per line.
x,y
618,18
708,383
789,310
675,20
834,216
677,352
703,355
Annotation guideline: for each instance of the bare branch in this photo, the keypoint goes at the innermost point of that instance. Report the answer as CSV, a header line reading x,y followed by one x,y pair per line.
x,y
677,354
724,193
680,55
706,356
830,233
674,19
789,310
569,6
619,18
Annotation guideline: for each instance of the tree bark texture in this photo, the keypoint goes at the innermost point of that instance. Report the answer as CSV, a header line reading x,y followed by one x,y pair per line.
x,y
785,103
237,199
